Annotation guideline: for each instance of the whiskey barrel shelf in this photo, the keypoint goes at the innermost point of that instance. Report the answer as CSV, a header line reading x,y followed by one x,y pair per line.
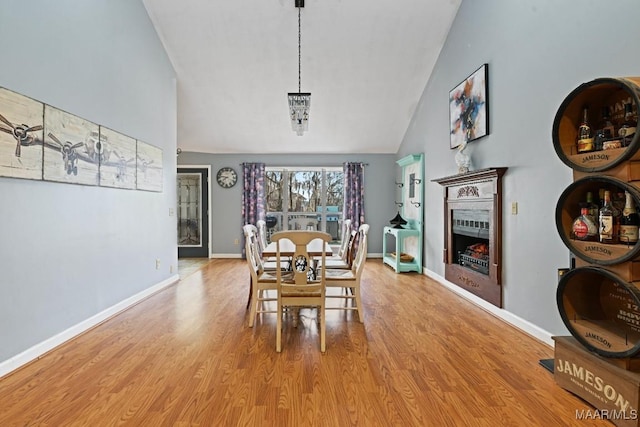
x,y
595,94
601,310
568,207
599,299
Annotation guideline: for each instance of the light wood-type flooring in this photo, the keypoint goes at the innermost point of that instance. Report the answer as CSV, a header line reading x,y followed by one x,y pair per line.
x,y
185,357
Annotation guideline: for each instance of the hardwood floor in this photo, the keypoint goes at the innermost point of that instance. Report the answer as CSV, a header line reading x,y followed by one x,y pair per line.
x,y
188,266
185,356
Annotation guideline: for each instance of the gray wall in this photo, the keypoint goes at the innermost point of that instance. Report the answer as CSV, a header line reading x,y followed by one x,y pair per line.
x,y
538,51
67,251
379,180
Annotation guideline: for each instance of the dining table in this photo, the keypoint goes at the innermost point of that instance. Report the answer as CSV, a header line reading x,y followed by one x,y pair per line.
x,y
315,248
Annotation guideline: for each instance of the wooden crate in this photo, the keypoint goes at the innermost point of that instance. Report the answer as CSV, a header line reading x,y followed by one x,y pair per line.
x,y
613,391
629,271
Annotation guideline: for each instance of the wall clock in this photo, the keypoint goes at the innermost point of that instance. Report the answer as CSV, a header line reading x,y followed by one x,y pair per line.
x,y
226,177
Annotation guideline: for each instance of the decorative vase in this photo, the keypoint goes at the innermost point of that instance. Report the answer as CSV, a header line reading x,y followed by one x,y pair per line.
x,y
463,160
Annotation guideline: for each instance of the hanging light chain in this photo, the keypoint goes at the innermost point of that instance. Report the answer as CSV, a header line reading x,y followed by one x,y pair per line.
x,y
299,55
299,102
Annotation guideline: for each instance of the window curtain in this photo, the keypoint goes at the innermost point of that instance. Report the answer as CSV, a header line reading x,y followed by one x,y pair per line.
x,y
254,203
353,208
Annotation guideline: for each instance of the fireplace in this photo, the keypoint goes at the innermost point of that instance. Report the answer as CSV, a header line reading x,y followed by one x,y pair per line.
x,y
473,232
470,238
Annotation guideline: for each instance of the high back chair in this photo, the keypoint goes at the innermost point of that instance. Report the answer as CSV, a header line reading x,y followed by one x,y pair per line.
x,y
349,280
306,285
261,280
344,259
345,238
261,225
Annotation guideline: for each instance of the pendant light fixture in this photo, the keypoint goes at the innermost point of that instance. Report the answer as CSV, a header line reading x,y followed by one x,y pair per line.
x,y
299,102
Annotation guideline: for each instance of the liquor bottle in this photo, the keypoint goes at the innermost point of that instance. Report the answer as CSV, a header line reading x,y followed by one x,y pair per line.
x,y
585,135
606,221
600,198
584,227
592,208
628,128
604,131
629,221
618,201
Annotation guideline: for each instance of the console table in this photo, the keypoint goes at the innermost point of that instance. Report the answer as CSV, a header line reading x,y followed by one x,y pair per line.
x,y
400,234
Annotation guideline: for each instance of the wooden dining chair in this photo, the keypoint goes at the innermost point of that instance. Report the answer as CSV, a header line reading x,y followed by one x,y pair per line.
x,y
346,234
306,285
262,280
349,280
261,226
345,238
268,263
344,258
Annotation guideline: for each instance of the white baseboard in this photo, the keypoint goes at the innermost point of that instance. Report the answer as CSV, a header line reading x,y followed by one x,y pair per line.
x,y
225,256
520,323
49,344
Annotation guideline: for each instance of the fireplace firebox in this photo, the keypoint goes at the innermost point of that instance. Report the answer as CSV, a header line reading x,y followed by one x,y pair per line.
x,y
473,232
470,238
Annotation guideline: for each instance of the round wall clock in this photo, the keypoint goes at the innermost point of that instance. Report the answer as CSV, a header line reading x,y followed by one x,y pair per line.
x,y
226,177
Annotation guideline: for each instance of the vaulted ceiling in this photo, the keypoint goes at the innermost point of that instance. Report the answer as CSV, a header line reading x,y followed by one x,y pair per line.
x,y
365,62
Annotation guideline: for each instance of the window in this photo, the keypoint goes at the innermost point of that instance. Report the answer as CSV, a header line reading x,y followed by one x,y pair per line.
x,y
305,198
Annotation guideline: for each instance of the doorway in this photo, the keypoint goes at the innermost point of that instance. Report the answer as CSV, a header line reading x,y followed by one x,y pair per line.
x,y
193,212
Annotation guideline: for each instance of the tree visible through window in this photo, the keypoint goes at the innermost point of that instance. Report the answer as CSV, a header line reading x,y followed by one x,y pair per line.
x,y
305,199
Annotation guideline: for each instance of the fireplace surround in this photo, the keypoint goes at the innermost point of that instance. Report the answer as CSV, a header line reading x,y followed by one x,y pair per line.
x,y
473,232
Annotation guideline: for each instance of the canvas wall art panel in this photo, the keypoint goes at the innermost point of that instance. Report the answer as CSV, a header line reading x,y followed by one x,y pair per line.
x,y
469,108
67,153
21,136
117,154
148,167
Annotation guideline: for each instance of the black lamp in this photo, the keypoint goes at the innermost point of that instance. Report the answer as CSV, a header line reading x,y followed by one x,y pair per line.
x,y
398,221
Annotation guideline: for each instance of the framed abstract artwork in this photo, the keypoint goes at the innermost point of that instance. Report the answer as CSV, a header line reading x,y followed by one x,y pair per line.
x,y
469,108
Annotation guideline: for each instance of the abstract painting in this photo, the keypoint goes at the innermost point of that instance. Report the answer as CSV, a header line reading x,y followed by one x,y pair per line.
x,y
21,136
148,167
66,154
469,108
117,154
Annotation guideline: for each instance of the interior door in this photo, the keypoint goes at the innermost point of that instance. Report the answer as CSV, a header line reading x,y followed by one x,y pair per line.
x,y
193,212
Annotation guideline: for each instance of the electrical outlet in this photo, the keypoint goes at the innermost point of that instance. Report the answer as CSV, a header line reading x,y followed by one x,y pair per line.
x,y
171,269
236,242
157,263
514,208
171,211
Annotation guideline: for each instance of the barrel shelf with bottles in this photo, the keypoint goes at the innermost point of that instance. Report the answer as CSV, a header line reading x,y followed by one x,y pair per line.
x,y
612,93
601,310
568,208
599,298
